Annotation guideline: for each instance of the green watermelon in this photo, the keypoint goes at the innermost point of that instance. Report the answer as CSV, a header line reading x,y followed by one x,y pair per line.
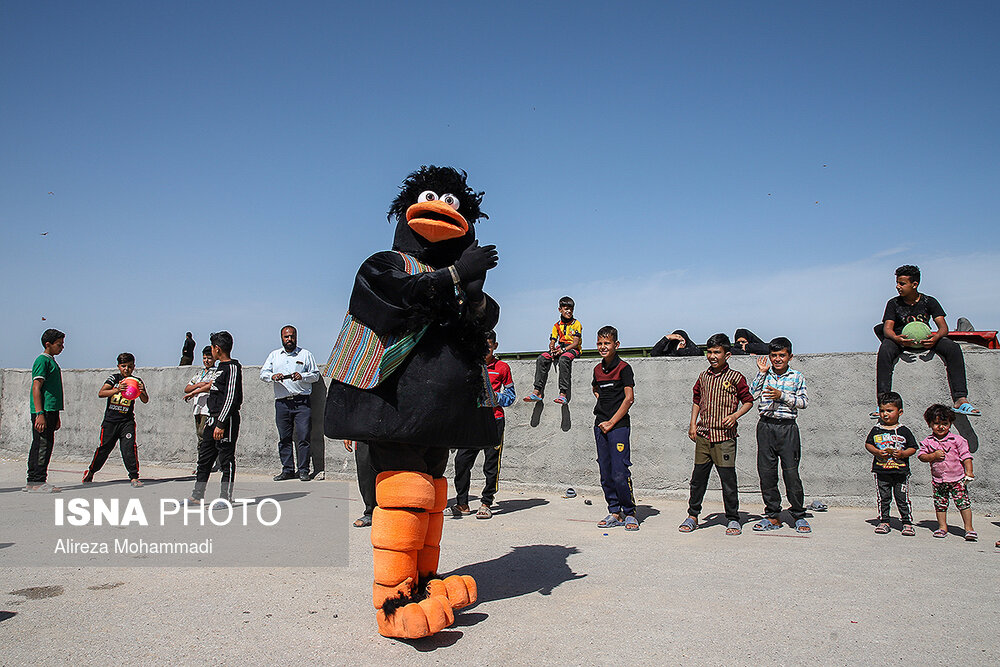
x,y
916,331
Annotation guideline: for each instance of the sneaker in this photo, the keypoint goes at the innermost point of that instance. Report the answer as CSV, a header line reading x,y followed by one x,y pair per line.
x,y
88,476
304,476
283,475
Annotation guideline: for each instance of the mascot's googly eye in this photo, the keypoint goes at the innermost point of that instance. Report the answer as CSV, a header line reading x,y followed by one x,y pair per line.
x,y
450,200
427,195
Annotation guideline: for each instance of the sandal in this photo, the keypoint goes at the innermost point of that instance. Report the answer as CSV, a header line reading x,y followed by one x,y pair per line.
x,y
631,523
971,535
561,399
610,521
532,398
484,512
688,525
941,532
42,488
363,521
966,409
765,524
136,484
908,530
882,529
458,511
734,528
802,526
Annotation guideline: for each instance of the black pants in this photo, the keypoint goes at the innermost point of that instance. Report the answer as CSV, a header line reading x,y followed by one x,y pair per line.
x,y
210,449
41,448
894,484
466,458
730,488
778,441
292,415
366,475
565,364
397,456
947,349
117,433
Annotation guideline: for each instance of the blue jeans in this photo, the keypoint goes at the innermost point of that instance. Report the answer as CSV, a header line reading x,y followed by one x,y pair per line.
x,y
613,461
292,415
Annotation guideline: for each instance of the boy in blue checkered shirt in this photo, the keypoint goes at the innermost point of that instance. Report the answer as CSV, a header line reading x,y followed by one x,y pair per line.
x,y
782,393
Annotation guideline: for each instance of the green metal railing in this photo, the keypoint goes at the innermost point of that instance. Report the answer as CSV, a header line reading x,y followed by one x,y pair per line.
x,y
624,352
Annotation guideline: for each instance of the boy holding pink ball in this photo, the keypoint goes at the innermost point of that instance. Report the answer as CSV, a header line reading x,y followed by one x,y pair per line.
x,y
121,389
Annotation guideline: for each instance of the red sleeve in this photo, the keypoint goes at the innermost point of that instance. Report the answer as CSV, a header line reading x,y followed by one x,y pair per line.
x,y
697,390
505,375
743,391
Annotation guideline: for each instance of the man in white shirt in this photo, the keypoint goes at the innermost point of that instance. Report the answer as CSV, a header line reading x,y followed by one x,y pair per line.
x,y
292,369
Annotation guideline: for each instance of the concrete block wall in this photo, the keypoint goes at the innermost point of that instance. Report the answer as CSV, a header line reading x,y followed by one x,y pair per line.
x,y
551,445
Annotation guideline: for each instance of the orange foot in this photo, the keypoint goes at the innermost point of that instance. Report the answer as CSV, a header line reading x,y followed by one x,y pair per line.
x,y
460,589
417,619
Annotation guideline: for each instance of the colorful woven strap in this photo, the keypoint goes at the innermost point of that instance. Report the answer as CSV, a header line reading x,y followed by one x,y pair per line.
x,y
361,357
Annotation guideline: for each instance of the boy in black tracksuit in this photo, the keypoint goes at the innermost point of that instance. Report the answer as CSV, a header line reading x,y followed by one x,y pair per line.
x,y
223,427
119,421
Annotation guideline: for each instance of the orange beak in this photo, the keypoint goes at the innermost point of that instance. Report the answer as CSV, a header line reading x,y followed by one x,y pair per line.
x,y
436,221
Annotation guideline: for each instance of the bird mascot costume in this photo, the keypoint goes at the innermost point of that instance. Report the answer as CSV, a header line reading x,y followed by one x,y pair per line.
x,y
407,377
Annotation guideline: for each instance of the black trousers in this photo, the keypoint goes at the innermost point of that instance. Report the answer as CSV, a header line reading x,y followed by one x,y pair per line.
x,y
366,475
41,448
210,449
292,415
778,442
730,488
565,364
464,461
397,456
947,349
894,484
117,433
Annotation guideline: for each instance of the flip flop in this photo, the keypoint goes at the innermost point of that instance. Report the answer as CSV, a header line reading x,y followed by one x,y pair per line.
x,y
908,530
883,529
688,525
610,521
734,528
802,526
967,409
560,399
818,506
765,525
971,536
631,523
941,532
363,521
532,398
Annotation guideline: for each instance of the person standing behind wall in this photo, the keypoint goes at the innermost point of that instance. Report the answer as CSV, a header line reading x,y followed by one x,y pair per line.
x,y
187,352
292,369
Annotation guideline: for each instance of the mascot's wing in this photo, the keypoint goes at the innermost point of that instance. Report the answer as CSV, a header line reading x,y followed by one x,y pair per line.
x,y
390,300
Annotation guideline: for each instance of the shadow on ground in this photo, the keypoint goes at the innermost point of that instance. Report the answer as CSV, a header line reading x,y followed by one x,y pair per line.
x,y
534,568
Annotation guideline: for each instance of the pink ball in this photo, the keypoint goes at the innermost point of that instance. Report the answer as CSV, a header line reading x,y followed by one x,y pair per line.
x,y
131,392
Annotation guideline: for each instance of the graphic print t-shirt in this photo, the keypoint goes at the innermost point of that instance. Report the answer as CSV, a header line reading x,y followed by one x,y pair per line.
x,y
119,408
610,385
897,437
901,313
565,333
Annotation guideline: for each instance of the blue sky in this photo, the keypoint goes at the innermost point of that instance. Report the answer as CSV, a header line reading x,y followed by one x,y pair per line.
x,y
668,164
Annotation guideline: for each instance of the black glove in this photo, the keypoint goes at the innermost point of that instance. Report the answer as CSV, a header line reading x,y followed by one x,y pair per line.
x,y
476,261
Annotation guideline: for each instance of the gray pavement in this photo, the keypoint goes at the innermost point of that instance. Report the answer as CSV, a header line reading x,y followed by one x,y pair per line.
x,y
554,589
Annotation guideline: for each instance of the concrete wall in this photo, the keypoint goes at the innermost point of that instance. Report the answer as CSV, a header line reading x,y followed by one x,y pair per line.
x,y
553,446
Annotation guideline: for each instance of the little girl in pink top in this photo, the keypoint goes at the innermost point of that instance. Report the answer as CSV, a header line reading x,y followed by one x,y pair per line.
x,y
951,467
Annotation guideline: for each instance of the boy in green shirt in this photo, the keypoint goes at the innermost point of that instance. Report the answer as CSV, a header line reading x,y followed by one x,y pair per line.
x,y
46,403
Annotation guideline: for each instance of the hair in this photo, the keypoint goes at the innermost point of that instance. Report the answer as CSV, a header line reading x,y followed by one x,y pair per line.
x,y
223,339
445,180
780,343
939,413
206,351
719,340
608,332
126,358
567,301
890,398
491,336
289,326
50,336
910,271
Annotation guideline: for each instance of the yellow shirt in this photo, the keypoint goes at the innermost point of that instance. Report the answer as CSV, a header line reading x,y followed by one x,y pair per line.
x,y
566,334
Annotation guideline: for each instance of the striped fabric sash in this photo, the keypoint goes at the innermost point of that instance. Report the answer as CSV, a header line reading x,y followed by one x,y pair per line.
x,y
361,357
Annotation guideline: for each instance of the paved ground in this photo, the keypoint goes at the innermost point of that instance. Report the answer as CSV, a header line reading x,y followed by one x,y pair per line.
x,y
554,589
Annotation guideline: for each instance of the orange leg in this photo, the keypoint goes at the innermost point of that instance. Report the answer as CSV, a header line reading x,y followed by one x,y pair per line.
x,y
399,534
459,589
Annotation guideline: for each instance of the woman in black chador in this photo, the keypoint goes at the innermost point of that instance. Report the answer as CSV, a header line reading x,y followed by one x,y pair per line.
x,y
407,376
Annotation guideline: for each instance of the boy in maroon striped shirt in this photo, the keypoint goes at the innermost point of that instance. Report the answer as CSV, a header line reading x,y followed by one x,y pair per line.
x,y
721,397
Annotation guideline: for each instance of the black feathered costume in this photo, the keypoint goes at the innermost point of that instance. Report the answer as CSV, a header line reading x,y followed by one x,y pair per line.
x,y
407,376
